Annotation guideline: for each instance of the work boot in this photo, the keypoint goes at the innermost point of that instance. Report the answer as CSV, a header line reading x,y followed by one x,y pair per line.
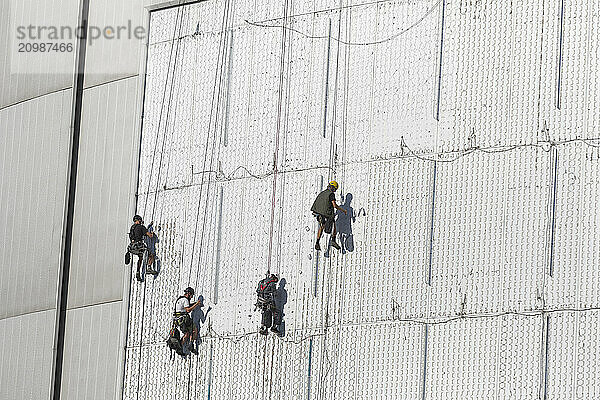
x,y
127,258
263,330
138,277
335,245
317,246
275,330
193,349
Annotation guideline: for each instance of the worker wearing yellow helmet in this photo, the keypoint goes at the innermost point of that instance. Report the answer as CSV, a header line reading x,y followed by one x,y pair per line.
x,y
323,209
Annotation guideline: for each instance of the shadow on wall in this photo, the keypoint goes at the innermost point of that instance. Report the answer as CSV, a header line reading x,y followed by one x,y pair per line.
x,y
281,297
344,224
199,315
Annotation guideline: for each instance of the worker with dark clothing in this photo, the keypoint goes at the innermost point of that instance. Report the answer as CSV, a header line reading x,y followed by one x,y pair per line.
x,y
183,320
271,315
323,209
137,246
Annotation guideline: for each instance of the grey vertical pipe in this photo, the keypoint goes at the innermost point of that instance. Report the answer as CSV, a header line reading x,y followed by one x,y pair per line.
x,y
310,351
425,361
439,88
431,224
228,91
218,255
553,213
561,30
210,368
69,211
327,79
546,351
316,266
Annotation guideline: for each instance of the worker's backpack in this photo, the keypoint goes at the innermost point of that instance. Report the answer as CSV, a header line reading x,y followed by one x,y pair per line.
x,y
137,248
174,342
265,292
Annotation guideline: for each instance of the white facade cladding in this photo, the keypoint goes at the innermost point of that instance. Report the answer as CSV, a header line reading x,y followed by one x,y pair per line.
x,y
464,137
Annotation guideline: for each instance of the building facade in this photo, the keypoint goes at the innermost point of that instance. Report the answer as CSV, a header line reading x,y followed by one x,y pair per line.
x,y
464,136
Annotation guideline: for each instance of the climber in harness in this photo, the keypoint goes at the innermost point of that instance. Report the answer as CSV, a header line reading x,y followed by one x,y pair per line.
x,y
137,246
151,242
183,320
322,209
271,315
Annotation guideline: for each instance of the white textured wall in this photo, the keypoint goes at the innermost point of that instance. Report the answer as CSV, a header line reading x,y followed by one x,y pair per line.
x,y
33,162
35,117
474,268
20,85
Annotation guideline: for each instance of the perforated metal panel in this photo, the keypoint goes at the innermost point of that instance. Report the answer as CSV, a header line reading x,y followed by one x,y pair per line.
x,y
467,269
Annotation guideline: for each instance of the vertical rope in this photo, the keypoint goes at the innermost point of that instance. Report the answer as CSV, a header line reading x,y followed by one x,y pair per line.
x,y
143,303
215,106
284,32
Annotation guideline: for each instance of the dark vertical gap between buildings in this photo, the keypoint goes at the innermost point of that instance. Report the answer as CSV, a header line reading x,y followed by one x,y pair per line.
x,y
136,194
64,272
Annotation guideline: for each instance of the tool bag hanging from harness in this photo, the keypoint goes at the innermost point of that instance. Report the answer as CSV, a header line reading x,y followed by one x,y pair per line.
x,y
266,294
174,341
179,322
137,247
